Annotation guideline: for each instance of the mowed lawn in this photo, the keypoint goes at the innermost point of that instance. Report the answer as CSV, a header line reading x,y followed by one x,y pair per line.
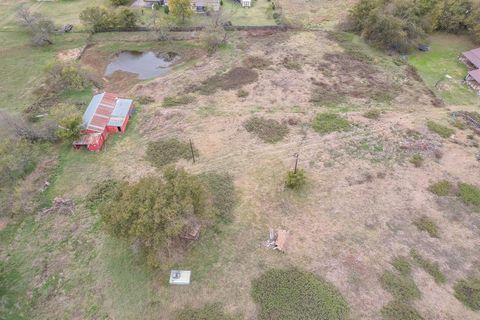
x,y
442,61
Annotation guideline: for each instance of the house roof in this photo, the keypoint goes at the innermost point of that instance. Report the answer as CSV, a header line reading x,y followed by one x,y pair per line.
x,y
105,109
475,74
473,56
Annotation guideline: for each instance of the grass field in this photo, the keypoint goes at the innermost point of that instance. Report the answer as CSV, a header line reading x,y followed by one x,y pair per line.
x,y
442,60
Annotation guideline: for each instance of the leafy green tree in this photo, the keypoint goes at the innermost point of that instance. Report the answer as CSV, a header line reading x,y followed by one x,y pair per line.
x,y
69,128
119,2
97,19
181,9
125,19
455,15
153,212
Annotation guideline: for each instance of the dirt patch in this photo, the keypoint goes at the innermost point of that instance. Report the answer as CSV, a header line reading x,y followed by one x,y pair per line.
x,y
3,224
233,79
69,55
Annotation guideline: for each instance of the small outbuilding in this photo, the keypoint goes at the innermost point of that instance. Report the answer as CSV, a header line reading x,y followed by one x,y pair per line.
x,y
106,113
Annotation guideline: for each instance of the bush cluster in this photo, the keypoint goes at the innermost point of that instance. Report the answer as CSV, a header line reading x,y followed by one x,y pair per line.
x,y
424,223
401,25
294,294
268,130
325,123
99,19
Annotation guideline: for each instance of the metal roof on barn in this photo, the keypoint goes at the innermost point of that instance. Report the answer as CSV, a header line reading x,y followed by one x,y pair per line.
x,y
105,109
473,56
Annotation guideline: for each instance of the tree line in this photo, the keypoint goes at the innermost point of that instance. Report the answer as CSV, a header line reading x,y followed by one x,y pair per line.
x,y
401,25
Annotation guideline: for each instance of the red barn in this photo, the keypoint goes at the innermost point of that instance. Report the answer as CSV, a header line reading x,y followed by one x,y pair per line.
x,y
105,114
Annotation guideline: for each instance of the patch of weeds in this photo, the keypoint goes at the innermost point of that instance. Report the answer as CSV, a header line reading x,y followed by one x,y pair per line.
x,y
291,64
163,152
398,310
424,223
233,79
441,188
268,130
294,294
401,287
402,265
213,311
373,114
432,268
242,93
295,180
468,292
100,193
144,100
441,130
469,194
222,190
417,160
173,101
256,62
324,96
325,123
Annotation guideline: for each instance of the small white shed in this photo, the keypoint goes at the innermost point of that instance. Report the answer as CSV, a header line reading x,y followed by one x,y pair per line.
x,y
180,277
246,3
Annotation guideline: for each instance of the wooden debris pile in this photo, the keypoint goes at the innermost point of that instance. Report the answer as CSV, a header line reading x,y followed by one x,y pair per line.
x,y
277,240
60,206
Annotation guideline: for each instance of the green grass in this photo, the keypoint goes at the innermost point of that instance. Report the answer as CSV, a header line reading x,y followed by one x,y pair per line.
x,y
402,265
163,152
424,223
441,188
468,291
325,123
268,130
397,310
171,101
222,190
22,67
442,60
294,294
401,287
441,130
432,268
212,311
469,194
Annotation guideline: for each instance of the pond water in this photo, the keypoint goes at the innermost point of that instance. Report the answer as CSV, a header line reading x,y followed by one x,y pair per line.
x,y
146,65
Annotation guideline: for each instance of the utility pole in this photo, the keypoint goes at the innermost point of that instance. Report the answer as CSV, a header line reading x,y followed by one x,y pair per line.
x,y
191,149
296,162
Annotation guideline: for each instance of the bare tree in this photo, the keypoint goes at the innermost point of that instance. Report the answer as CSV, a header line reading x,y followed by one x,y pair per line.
x,y
215,33
40,27
162,26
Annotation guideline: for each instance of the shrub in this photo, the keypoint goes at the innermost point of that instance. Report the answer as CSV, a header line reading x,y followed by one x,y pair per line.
x,y
468,291
402,265
101,192
424,223
294,294
222,190
441,130
469,194
242,93
325,123
166,10
145,99
373,114
417,160
432,268
119,2
268,130
99,19
172,101
154,212
295,180
163,152
441,188
208,312
398,310
401,287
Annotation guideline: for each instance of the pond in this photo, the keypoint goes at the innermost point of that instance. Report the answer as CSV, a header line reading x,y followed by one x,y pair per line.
x,y
146,65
